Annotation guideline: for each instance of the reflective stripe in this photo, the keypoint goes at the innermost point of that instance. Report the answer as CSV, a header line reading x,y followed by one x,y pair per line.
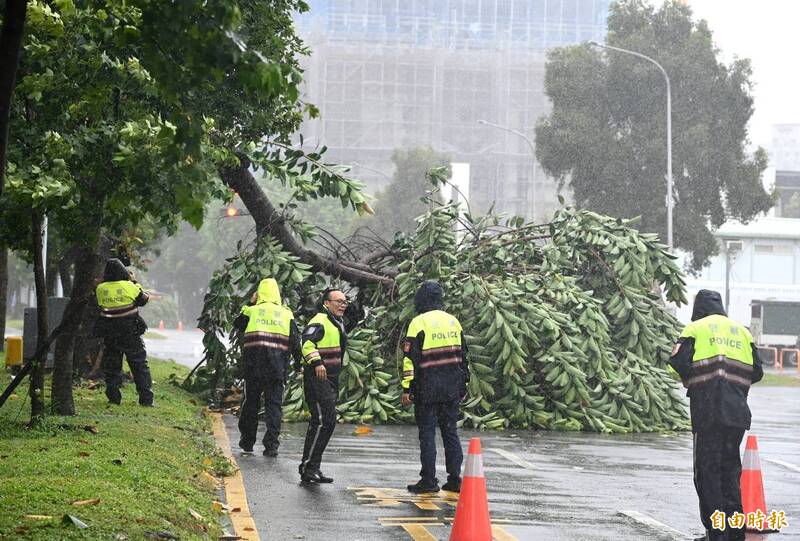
x,y
751,461
723,359
312,356
443,349
719,373
440,362
473,466
117,313
265,343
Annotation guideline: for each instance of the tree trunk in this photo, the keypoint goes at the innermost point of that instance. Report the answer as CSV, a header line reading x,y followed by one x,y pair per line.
x,y
64,265
10,45
3,294
37,374
63,403
270,221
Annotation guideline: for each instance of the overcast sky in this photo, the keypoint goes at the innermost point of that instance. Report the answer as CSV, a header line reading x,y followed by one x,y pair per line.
x,y
766,32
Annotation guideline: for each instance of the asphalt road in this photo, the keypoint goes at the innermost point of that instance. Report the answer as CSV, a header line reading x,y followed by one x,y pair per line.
x,y
542,485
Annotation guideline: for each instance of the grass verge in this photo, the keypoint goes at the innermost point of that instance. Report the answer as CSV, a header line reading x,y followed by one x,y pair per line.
x,y
141,469
778,379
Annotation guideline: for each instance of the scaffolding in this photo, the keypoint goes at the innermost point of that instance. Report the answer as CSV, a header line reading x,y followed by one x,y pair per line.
x,y
390,74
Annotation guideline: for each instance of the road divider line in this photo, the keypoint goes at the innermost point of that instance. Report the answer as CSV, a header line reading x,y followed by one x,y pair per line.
x,y
645,520
784,464
235,496
513,458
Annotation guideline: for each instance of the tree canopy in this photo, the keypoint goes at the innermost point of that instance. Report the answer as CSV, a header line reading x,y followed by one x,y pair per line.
x,y
606,133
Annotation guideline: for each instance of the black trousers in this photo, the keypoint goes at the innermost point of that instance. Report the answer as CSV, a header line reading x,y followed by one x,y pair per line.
x,y
261,379
321,398
133,348
444,414
717,468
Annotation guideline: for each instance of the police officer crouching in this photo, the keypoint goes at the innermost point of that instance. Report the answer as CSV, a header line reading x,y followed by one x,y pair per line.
x,y
435,376
270,336
717,362
324,343
121,328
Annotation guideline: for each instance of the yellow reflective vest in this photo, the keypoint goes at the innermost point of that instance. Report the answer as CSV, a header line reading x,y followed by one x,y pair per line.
x,y
722,349
117,299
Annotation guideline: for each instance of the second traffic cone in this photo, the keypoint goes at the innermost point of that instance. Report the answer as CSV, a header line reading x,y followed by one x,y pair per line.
x,y
472,512
752,483
161,325
180,325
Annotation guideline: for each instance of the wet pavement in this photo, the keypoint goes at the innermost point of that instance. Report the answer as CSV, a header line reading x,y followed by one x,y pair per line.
x,y
542,485
183,347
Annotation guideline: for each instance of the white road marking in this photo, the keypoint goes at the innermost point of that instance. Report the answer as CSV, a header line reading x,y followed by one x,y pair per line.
x,y
641,518
784,464
513,458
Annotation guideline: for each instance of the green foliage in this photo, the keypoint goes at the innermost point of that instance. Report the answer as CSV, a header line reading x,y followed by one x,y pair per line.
x,y
606,133
566,334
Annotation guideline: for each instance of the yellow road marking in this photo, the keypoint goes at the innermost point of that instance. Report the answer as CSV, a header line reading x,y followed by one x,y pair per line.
x,y
243,524
418,532
499,534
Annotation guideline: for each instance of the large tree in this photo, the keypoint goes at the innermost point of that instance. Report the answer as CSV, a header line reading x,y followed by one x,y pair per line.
x,y
107,134
606,133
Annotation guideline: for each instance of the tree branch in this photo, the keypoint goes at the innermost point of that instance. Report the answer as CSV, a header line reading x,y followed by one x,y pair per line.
x,y
270,222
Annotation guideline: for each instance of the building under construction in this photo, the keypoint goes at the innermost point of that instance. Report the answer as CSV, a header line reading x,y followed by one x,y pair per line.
x,y
389,74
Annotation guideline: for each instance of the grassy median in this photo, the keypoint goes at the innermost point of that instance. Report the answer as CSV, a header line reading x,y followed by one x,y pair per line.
x,y
126,471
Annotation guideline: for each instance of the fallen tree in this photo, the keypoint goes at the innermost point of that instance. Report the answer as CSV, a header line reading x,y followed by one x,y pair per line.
x,y
566,327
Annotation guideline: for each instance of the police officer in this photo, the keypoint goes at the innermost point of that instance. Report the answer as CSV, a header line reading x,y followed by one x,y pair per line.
x,y
121,327
270,337
435,376
324,343
717,362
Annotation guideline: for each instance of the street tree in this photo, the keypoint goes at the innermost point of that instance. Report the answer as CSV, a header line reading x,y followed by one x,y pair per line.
x,y
606,133
104,129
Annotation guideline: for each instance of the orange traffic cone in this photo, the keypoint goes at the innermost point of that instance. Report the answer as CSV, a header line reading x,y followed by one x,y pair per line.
x,y
472,512
752,484
161,325
180,325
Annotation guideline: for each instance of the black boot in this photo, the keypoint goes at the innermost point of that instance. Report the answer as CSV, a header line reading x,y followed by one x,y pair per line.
x,y
452,485
423,487
315,477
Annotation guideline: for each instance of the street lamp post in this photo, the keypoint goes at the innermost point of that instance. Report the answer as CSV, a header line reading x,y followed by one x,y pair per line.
x,y
669,131
533,156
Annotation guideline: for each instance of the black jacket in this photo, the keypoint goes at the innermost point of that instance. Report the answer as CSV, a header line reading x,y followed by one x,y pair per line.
x,y
442,383
134,325
717,402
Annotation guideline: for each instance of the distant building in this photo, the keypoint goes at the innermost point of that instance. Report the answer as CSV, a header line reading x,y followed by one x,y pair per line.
x,y
390,74
785,150
764,264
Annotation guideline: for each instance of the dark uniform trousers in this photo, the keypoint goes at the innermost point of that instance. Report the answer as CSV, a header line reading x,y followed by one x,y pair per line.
x,y
321,398
717,468
261,378
133,348
444,414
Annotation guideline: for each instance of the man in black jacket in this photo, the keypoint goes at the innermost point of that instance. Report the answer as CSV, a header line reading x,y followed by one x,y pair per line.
x,y
717,361
121,328
270,338
435,375
324,342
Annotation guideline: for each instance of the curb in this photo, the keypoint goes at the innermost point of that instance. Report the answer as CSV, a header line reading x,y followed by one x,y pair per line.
x,y
243,524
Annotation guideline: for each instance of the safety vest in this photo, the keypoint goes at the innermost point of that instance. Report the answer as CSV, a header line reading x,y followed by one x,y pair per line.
x,y
329,348
268,326
116,299
722,349
441,345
